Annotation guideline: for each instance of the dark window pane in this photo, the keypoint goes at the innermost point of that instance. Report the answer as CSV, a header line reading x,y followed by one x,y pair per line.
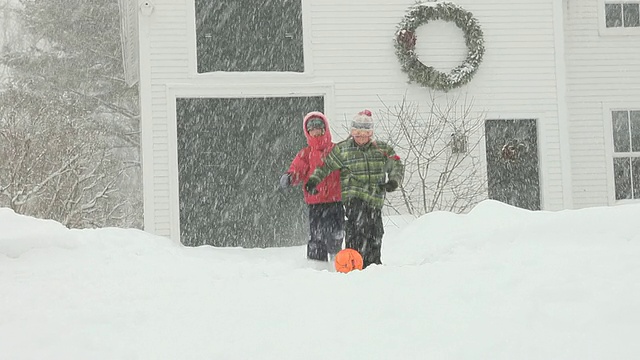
x,y
631,15
620,131
613,15
249,35
513,182
622,177
635,174
225,159
635,130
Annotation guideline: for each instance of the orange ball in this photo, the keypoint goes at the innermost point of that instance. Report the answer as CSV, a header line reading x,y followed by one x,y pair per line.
x,y
348,260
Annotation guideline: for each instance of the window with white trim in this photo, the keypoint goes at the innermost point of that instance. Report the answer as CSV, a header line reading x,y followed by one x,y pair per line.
x,y
249,35
626,153
622,14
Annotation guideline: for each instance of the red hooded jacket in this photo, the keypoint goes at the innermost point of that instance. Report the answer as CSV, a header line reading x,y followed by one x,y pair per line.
x,y
311,157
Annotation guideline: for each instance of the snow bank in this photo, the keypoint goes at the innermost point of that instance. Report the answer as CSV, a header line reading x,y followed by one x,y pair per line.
x,y
20,234
438,234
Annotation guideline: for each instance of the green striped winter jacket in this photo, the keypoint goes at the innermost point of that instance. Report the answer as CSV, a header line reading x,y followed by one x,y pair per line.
x,y
362,169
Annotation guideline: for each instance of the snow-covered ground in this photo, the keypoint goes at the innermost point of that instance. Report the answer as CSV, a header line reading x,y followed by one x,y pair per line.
x,y
497,283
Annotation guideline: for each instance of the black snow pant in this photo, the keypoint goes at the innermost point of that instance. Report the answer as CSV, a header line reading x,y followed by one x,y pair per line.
x,y
326,230
364,230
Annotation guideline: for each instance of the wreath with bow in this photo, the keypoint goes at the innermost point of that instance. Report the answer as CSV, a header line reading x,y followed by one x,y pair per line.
x,y
405,42
513,149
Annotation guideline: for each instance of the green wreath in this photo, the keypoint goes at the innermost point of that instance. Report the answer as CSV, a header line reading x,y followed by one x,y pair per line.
x,y
420,73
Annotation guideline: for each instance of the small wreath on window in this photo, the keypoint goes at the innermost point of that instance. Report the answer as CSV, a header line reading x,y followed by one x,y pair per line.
x,y
405,42
512,150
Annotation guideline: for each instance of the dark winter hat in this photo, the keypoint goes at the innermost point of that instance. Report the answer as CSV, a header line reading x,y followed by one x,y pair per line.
x,y
362,121
315,123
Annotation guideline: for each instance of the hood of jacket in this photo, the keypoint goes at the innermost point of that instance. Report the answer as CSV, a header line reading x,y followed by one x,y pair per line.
x,y
321,141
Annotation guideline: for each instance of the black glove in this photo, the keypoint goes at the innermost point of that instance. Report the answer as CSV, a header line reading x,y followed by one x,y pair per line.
x,y
285,181
389,186
310,186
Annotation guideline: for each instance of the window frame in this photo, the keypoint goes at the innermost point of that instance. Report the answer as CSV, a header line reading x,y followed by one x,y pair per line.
x,y
240,77
210,90
614,31
610,155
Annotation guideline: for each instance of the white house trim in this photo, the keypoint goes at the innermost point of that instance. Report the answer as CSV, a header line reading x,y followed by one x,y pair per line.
x,y
603,30
175,91
542,158
225,77
608,145
146,133
129,40
563,112
542,133
607,108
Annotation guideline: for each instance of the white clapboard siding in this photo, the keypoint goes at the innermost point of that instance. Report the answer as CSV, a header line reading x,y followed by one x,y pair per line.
x,y
601,68
349,45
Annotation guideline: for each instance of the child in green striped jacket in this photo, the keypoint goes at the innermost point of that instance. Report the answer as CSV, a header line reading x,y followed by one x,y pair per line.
x,y
368,170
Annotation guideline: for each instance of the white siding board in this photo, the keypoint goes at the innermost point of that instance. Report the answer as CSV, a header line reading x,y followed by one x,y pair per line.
x,y
170,42
179,30
169,62
177,17
158,94
160,146
163,207
167,26
174,70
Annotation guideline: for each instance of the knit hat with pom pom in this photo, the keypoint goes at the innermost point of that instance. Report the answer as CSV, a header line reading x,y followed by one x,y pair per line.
x,y
362,121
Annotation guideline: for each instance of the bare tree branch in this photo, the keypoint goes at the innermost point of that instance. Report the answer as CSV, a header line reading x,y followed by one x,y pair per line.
x,y
438,176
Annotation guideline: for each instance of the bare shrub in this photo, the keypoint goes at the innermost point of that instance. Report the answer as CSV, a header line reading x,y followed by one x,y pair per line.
x,y
440,152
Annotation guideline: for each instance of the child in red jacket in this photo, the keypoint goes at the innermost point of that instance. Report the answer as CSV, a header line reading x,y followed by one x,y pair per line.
x,y
326,213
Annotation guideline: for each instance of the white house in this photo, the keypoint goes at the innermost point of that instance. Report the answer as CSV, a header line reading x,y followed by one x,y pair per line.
x,y
224,85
